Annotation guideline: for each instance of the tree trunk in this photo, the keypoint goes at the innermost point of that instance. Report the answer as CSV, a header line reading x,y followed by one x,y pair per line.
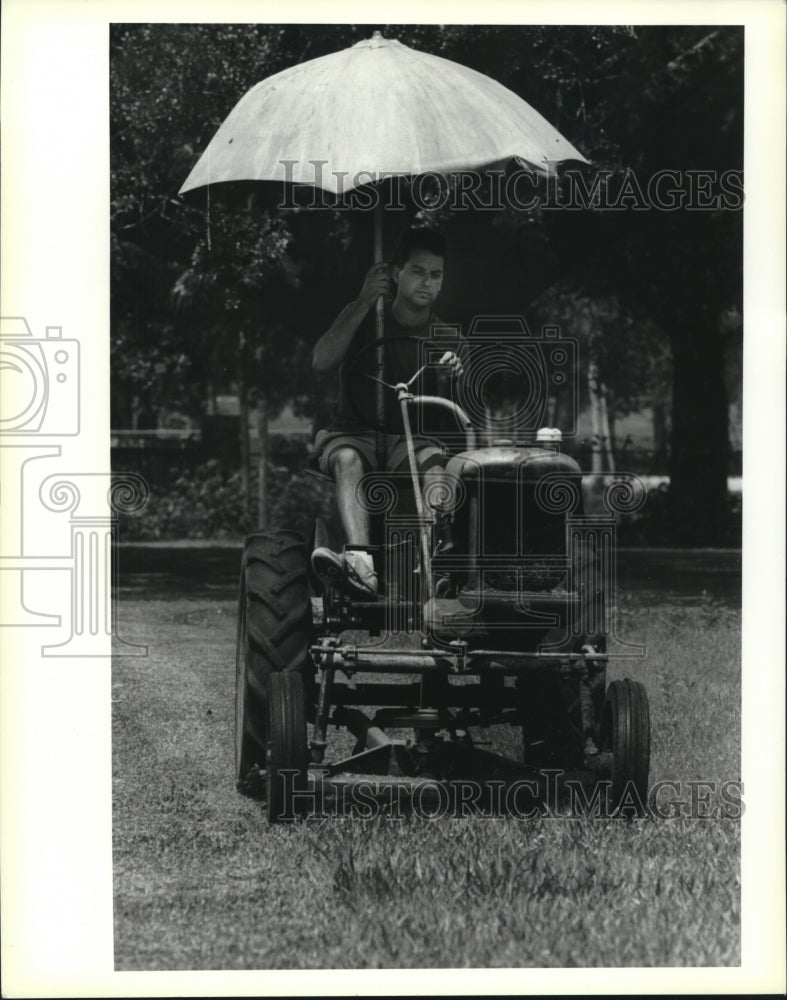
x,y
136,409
488,433
659,465
698,463
262,474
552,410
595,417
243,407
606,431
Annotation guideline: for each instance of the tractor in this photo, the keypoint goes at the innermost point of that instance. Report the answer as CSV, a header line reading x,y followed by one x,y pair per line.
x,y
493,609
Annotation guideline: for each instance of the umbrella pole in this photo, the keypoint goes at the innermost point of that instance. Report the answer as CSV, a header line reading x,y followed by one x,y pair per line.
x,y
379,334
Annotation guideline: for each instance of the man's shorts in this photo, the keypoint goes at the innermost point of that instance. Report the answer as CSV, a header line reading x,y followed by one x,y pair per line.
x,y
428,451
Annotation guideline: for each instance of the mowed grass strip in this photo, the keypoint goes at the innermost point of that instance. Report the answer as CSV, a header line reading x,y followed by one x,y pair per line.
x,y
201,881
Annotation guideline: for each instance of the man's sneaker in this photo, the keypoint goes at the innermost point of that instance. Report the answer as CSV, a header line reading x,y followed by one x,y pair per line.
x,y
355,573
327,565
360,576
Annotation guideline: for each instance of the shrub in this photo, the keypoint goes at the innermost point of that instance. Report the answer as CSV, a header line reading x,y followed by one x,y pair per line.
x,y
206,502
658,523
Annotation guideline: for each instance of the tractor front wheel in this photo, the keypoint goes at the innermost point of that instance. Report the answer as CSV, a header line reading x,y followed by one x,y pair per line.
x,y
625,736
287,759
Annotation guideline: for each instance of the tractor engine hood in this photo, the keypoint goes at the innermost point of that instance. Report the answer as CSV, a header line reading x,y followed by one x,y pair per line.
x,y
508,463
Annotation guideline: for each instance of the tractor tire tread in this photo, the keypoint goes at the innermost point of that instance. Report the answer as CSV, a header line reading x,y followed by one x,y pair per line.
x,y
276,624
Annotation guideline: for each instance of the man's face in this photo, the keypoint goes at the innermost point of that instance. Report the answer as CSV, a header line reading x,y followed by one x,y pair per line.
x,y
419,280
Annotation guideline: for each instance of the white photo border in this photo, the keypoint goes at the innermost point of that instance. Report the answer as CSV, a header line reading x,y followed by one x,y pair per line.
x,y
56,806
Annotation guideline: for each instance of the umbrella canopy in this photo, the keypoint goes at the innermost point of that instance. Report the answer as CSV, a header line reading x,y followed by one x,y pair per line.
x,y
378,107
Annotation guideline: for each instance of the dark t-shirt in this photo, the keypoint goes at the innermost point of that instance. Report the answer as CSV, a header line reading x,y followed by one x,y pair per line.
x,y
407,348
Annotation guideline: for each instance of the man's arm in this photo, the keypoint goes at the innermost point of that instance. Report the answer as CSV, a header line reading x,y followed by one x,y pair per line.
x,y
330,349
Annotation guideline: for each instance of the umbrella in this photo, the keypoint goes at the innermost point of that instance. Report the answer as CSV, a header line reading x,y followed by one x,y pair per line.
x,y
376,109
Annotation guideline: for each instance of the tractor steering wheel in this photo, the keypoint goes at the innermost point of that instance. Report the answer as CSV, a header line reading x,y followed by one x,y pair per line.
x,y
361,387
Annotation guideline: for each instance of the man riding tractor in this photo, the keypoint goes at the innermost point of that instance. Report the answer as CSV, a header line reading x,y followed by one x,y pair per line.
x,y
349,448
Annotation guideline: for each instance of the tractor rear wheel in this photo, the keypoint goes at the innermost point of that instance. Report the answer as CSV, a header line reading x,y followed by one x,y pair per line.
x,y
625,735
249,727
274,635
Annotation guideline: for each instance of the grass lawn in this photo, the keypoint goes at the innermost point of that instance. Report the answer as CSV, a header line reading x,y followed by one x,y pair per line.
x,y
201,881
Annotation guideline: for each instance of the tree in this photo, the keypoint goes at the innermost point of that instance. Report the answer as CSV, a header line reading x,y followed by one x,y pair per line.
x,y
201,297
688,270
625,359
